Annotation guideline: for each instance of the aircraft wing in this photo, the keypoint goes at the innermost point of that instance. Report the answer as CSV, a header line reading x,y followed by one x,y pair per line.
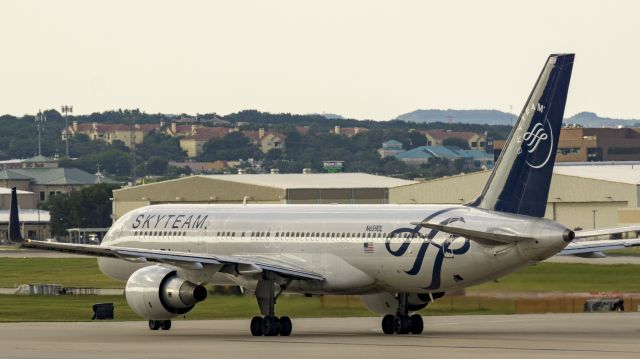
x,y
235,264
597,246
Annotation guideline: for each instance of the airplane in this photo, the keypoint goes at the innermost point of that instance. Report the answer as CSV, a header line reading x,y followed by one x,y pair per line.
x,y
398,258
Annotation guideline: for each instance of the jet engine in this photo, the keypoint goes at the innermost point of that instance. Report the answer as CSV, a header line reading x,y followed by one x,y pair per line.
x,y
387,303
157,293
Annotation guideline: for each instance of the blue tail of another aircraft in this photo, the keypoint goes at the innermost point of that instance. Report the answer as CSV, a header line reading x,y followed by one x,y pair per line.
x,y
521,178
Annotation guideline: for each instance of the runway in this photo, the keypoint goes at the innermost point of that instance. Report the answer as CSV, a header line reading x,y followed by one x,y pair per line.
x,y
498,336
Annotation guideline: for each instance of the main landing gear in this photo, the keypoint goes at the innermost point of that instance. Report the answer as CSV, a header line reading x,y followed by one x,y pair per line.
x,y
402,323
269,324
159,324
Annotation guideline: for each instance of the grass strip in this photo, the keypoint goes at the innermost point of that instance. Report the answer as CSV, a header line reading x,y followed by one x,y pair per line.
x,y
79,308
68,272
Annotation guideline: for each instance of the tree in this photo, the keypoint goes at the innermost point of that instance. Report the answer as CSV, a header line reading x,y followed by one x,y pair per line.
x,y
88,207
157,165
112,162
158,144
233,146
416,139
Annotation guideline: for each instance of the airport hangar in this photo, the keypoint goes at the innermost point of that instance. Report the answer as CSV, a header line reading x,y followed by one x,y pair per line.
x,y
612,190
320,188
586,195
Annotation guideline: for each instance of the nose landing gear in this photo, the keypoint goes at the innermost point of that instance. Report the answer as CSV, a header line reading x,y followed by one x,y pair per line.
x,y
159,324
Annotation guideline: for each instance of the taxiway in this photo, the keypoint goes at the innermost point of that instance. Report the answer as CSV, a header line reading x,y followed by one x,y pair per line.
x,y
594,335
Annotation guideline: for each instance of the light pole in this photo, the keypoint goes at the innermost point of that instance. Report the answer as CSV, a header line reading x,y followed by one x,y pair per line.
x,y
40,119
66,110
133,149
594,217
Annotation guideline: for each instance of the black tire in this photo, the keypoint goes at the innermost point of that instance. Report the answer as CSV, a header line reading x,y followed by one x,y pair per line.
x,y
256,326
270,326
165,325
285,326
416,324
401,324
154,324
387,324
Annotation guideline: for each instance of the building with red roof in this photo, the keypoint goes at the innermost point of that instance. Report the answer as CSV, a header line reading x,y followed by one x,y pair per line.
x,y
266,140
109,132
476,141
193,141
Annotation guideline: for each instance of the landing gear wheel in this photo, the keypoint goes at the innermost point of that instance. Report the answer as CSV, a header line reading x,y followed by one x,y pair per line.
x,y
165,325
401,324
285,326
256,326
270,326
387,324
154,324
416,324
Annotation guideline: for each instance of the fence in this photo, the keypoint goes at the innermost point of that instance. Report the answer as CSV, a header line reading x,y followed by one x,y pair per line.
x,y
484,304
53,289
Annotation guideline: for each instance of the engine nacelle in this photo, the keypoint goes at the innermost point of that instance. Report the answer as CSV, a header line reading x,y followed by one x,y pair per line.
x,y
157,293
386,303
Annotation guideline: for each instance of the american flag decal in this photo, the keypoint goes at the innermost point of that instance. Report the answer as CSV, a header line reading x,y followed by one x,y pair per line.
x,y
368,247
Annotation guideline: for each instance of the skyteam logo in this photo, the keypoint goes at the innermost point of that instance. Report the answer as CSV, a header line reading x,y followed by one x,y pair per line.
x,y
533,137
538,141
439,248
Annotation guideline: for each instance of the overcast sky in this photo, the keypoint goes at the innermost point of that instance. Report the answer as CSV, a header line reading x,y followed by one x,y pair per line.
x,y
360,59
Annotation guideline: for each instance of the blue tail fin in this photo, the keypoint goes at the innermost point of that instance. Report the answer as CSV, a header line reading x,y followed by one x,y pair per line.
x,y
14,220
522,175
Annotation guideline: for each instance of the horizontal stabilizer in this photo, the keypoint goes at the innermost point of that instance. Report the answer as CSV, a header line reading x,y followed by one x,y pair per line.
x,y
490,234
606,231
581,248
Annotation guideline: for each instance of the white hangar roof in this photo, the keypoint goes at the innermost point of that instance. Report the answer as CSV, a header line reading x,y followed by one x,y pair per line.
x,y
621,172
314,180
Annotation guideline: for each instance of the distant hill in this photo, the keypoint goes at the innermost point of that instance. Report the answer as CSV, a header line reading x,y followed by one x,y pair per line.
x,y
590,119
495,117
480,117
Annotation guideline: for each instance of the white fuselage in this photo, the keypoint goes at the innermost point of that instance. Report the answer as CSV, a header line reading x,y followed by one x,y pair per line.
x,y
358,249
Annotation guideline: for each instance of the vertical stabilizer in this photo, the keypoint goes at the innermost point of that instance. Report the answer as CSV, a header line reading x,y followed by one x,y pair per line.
x,y
14,220
520,180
